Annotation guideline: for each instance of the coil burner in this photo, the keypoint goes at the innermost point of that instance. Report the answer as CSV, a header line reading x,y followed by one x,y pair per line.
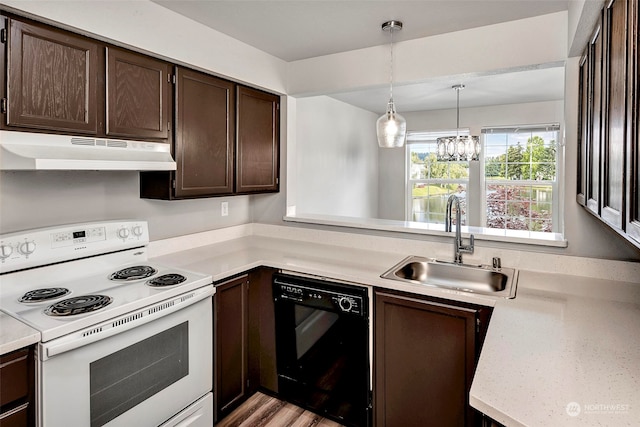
x,y
78,305
44,294
166,280
133,273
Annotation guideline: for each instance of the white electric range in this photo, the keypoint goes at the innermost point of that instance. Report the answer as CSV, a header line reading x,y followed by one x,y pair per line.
x,y
130,338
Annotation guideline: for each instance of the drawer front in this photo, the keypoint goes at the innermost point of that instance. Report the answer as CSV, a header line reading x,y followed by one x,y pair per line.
x,y
14,377
18,417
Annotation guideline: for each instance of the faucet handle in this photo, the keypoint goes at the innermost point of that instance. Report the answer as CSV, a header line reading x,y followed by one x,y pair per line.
x,y
468,249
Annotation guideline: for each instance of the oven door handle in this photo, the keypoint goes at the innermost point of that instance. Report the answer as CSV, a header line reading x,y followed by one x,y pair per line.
x,y
123,323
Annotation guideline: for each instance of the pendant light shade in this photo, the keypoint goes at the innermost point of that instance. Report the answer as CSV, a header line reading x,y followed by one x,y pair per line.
x,y
458,148
391,127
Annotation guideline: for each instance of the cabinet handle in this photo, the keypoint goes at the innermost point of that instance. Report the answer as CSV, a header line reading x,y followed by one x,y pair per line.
x,y
14,411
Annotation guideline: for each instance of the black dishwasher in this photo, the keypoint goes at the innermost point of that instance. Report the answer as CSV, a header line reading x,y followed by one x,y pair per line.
x,y
322,347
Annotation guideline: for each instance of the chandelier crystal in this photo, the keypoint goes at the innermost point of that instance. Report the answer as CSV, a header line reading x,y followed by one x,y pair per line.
x,y
458,148
391,127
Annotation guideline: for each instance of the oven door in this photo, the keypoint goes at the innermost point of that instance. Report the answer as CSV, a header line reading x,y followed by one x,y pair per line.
x,y
142,376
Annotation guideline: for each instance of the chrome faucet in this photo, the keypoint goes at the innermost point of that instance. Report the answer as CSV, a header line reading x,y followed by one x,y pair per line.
x,y
458,247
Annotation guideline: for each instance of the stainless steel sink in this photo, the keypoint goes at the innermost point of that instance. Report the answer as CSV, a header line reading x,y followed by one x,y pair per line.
x,y
481,279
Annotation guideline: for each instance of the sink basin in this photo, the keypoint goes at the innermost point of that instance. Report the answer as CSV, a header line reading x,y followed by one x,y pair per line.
x,y
479,279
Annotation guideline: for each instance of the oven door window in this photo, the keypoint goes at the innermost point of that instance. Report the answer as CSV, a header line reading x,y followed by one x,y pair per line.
x,y
123,379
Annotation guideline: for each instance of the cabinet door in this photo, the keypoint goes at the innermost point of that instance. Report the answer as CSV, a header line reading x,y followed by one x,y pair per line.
x,y
257,141
17,383
262,331
583,129
613,174
633,125
205,131
52,79
425,356
138,101
230,344
595,133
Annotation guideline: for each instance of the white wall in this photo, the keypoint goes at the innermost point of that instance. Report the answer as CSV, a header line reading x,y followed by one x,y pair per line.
x,y
336,159
35,199
391,183
45,198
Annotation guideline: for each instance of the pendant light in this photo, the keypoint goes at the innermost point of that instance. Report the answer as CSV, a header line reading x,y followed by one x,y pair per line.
x,y
458,148
391,127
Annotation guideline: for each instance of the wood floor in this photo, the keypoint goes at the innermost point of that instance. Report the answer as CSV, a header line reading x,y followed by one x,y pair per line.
x,y
261,410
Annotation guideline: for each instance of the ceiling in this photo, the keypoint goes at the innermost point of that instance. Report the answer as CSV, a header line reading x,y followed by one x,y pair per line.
x,y
522,86
298,29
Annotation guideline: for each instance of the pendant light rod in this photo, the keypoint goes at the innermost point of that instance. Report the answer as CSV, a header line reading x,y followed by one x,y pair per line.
x,y
391,26
458,88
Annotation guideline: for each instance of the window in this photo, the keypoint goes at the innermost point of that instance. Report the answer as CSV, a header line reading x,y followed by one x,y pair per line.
x,y
520,178
516,180
431,182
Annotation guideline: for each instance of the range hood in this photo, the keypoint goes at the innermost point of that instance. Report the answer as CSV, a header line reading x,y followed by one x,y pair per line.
x,y
37,151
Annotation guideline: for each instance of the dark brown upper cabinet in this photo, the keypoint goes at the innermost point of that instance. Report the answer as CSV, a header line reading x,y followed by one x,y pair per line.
x,y
584,125
61,82
53,79
137,91
615,143
595,132
608,149
205,134
257,145
633,126
226,141
204,140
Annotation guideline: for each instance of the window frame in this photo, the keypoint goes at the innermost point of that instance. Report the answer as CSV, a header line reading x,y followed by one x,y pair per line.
x,y
476,181
417,138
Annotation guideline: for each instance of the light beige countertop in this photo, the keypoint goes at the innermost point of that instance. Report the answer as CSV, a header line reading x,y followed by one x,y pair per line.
x,y
564,352
15,335
360,267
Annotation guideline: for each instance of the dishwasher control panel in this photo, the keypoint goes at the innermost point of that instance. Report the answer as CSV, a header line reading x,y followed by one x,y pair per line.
x,y
319,294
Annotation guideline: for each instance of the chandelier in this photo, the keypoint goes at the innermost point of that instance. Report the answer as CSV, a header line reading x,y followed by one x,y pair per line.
x,y
458,148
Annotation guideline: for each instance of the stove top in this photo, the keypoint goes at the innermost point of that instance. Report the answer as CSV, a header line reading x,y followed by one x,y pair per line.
x,y
66,296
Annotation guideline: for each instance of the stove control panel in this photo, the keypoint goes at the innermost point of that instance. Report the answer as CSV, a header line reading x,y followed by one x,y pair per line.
x,y
42,246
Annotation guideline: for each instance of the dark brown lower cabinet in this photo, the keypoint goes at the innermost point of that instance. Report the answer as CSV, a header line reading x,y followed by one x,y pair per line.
x,y
231,322
17,383
244,340
425,353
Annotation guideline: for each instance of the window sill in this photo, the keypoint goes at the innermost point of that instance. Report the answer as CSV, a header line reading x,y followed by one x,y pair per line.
x,y
480,233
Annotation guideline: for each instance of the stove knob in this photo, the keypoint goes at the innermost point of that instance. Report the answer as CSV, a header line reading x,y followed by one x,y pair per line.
x,y
5,251
345,304
137,230
27,248
123,233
